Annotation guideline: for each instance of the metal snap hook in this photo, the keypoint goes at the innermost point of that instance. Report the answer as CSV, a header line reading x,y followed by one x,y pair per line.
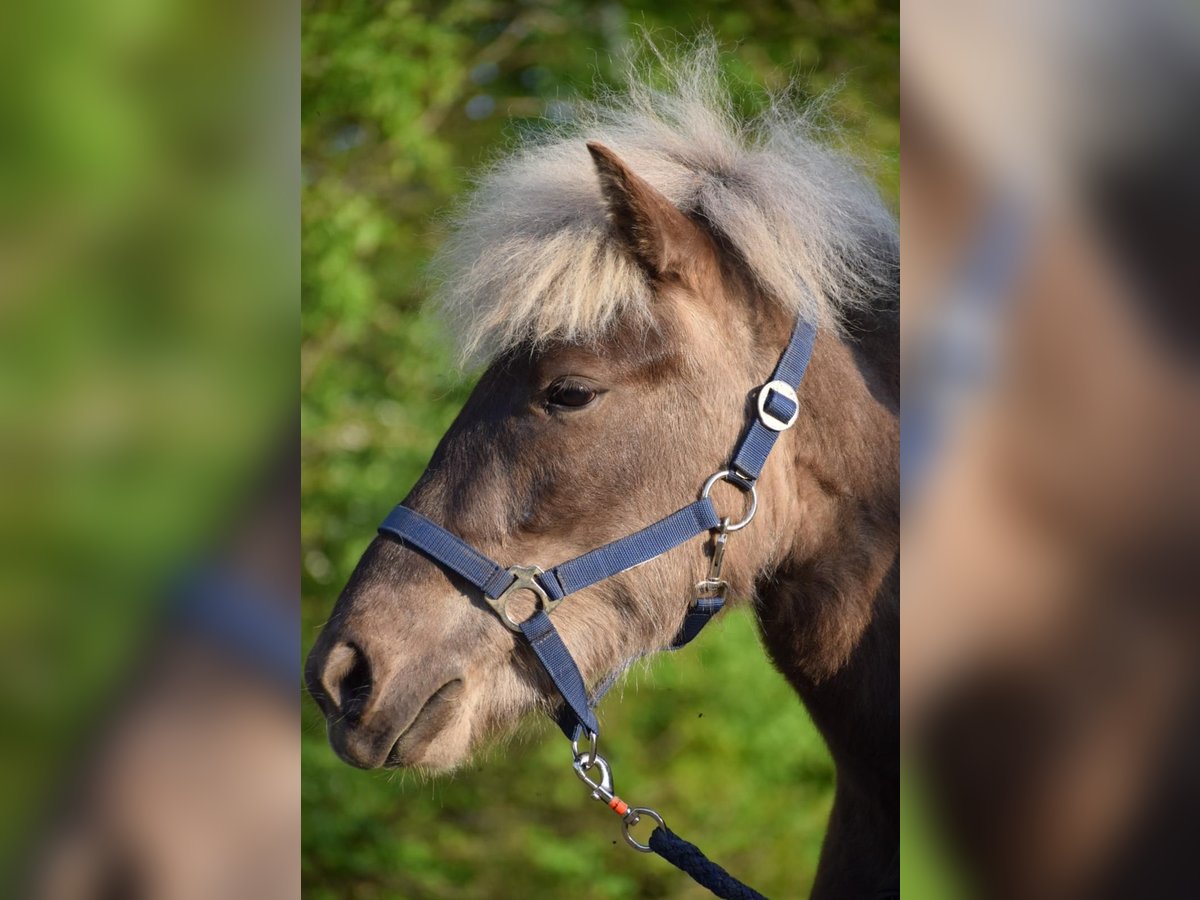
x,y
593,739
714,587
603,789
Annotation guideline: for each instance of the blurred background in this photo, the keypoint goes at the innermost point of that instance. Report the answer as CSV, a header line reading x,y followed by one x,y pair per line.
x,y
148,331
401,103
1051,419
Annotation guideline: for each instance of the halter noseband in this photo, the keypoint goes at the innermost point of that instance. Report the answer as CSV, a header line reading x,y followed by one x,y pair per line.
x,y
777,410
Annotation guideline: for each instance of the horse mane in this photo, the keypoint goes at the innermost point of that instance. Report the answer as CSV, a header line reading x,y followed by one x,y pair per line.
x,y
532,258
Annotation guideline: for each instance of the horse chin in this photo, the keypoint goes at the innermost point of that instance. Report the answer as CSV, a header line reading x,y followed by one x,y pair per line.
x,y
438,738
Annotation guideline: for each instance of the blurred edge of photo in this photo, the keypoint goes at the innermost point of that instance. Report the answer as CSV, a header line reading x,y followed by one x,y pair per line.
x,y
149,459
148,441
1049,201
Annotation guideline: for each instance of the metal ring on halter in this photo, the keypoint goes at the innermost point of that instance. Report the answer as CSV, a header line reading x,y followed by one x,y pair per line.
x,y
594,739
525,578
733,478
632,818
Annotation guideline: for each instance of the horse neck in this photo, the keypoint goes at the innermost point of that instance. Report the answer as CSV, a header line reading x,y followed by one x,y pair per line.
x,y
856,707
838,484
829,610
857,711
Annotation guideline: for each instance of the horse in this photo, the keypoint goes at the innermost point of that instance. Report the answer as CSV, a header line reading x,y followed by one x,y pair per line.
x,y
627,281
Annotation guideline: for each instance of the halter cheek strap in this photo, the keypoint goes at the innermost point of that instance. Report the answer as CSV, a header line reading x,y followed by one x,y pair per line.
x,y
778,409
778,405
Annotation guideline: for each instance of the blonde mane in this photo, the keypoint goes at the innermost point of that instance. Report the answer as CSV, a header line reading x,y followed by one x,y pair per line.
x,y
532,257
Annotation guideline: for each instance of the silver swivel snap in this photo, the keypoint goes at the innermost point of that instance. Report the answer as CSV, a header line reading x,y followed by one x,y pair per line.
x,y
602,790
714,587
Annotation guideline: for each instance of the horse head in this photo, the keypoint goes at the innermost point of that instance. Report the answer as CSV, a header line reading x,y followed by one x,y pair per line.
x,y
628,306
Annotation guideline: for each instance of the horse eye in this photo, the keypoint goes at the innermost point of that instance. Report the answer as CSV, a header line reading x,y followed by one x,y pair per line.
x,y
569,394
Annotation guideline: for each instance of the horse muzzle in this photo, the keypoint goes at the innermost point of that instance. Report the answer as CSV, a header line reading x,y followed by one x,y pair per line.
x,y
373,725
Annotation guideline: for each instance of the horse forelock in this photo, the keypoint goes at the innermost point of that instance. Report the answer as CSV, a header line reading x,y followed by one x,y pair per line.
x,y
532,257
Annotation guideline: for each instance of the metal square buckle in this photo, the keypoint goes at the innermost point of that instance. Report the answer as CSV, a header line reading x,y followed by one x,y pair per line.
x,y
764,394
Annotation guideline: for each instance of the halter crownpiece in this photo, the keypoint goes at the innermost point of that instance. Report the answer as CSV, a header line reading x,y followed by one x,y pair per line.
x,y
778,408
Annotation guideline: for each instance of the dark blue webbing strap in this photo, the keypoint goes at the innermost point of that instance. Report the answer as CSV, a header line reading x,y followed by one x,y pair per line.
x,y
631,550
445,548
242,618
755,446
699,615
546,642
449,550
434,541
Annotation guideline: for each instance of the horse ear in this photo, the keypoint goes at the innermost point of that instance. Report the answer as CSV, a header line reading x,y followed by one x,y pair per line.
x,y
647,223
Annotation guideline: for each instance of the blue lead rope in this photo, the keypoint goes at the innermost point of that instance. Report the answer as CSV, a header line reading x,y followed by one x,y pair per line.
x,y
687,858
778,409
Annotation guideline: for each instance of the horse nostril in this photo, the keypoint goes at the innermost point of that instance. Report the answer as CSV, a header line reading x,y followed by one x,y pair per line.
x,y
346,679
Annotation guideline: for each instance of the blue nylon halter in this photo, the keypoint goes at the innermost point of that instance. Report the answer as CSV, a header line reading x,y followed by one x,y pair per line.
x,y
778,408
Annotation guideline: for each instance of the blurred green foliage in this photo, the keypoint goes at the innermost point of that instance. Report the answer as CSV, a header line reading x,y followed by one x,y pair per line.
x,y
147,339
401,101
